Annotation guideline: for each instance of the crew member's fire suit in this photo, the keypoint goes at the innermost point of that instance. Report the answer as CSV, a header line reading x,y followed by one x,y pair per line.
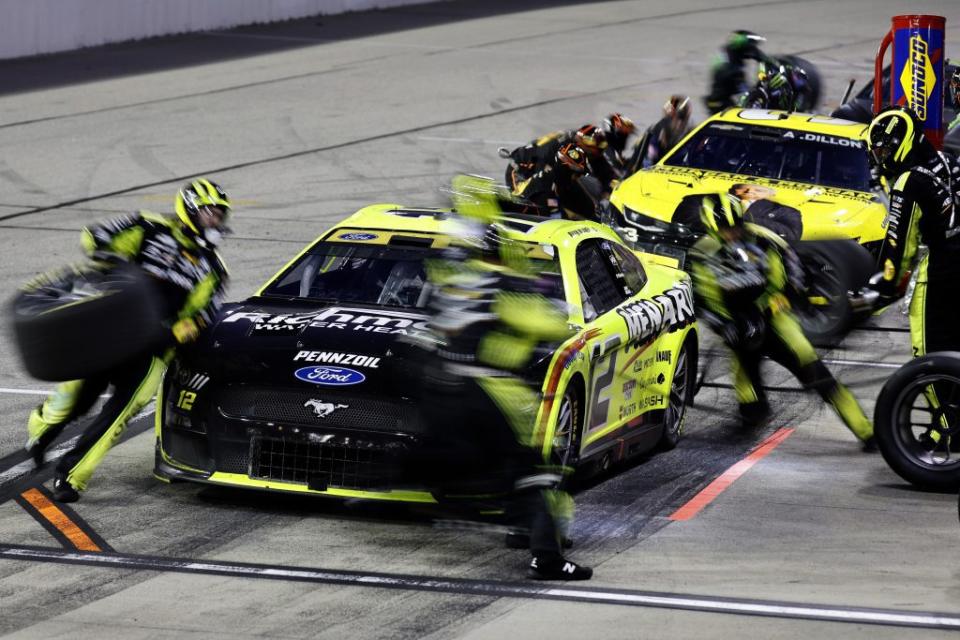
x,y
923,210
741,287
190,279
488,316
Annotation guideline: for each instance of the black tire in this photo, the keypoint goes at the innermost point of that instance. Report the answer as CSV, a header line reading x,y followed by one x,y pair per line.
x,y
565,448
814,82
83,322
834,269
681,396
925,462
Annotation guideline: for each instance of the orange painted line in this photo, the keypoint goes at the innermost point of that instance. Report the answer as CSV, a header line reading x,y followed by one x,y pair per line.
x,y
728,477
59,519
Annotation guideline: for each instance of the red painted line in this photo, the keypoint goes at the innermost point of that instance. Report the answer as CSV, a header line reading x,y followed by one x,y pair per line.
x,y
728,477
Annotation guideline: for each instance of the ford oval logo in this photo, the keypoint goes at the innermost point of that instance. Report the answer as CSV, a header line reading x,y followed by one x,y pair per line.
x,y
330,376
358,236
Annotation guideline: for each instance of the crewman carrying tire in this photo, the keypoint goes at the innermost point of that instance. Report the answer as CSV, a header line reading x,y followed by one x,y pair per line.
x,y
179,254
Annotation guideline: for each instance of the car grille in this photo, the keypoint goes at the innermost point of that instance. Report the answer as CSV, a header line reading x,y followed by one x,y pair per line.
x,y
291,406
345,463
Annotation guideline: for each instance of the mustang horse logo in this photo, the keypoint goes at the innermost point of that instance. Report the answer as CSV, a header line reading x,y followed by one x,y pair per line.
x,y
323,409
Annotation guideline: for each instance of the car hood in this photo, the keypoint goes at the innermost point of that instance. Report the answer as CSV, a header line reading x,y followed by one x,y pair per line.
x,y
321,347
828,212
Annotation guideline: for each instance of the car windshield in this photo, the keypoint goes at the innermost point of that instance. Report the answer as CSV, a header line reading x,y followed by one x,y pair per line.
x,y
380,275
781,154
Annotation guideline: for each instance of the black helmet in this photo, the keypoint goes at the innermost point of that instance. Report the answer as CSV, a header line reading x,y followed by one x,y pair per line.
x,y
720,212
895,138
677,106
572,158
590,139
744,44
617,125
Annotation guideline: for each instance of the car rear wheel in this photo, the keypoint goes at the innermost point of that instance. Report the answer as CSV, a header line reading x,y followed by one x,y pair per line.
x,y
681,391
566,435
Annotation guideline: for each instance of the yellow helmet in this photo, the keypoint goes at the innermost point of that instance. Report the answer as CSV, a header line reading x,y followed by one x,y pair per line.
x,y
895,138
196,195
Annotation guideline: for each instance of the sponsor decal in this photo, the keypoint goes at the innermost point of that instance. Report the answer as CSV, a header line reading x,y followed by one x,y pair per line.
x,y
330,376
667,311
823,138
580,231
333,357
341,318
628,388
665,356
322,409
648,402
703,174
918,77
358,236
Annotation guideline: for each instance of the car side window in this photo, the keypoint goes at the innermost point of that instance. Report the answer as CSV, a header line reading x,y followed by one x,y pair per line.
x,y
634,275
602,282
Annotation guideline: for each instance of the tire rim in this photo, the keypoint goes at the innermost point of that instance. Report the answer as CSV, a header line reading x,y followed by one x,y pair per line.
x,y
673,416
923,432
826,284
563,434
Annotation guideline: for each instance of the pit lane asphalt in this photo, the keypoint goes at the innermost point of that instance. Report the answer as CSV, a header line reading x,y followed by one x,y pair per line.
x,y
307,124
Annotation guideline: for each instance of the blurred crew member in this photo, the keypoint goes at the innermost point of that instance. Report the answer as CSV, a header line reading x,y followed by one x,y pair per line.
x,y
743,276
923,210
618,130
664,135
565,186
489,313
179,253
729,75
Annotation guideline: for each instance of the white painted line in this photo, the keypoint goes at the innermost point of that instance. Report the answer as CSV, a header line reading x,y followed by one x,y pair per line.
x,y
25,467
861,363
893,617
27,392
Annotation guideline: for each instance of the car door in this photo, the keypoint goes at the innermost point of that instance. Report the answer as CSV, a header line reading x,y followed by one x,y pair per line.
x,y
603,288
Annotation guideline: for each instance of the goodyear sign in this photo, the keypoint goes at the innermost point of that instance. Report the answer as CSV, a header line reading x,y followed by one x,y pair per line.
x,y
918,69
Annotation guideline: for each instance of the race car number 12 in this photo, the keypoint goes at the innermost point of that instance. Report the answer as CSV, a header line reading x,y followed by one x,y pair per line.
x,y
185,401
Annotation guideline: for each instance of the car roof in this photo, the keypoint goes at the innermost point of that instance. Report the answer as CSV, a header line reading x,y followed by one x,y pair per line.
x,y
811,122
422,220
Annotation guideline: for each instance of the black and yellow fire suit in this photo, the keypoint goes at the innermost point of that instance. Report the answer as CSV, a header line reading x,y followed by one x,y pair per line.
x,y
742,292
190,279
923,210
531,158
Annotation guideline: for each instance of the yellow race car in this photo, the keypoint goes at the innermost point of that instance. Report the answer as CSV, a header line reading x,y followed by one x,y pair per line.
x,y
806,177
298,388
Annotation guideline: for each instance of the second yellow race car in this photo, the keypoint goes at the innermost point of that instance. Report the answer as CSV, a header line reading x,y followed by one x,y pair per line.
x,y
806,177
298,389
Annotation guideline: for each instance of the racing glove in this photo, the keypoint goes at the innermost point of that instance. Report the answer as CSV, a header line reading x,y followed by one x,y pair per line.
x,y
185,330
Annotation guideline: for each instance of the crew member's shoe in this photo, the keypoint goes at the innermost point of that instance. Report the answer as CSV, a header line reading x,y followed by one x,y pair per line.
x,y
556,567
516,540
754,414
870,445
63,491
